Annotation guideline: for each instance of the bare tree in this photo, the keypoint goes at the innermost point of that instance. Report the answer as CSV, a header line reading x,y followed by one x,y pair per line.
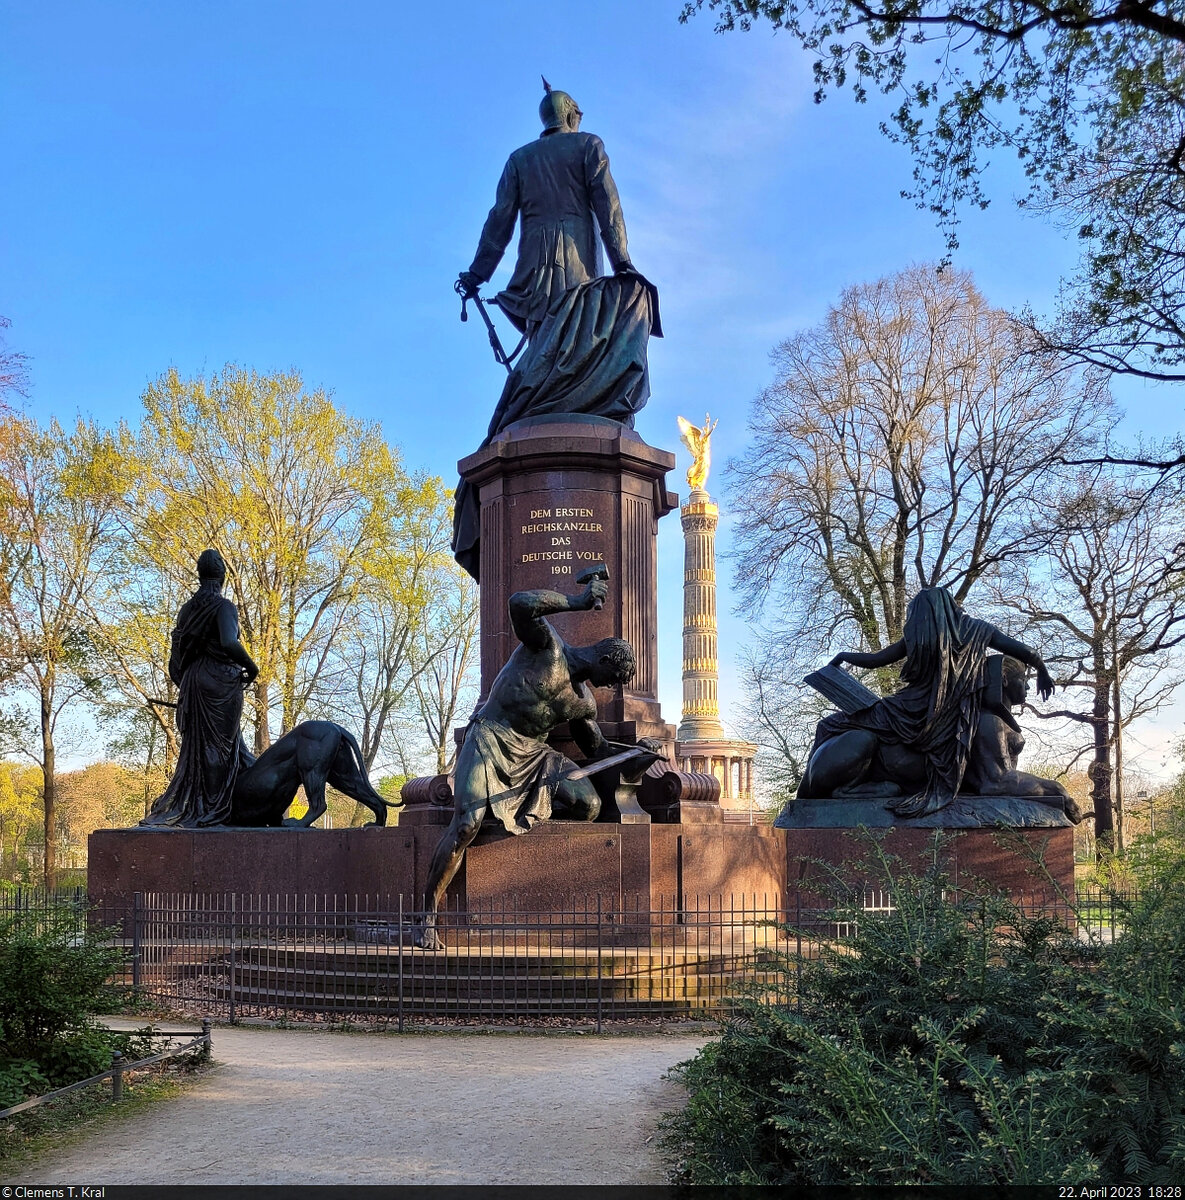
x,y
902,445
14,369
776,715
1107,595
905,443
446,649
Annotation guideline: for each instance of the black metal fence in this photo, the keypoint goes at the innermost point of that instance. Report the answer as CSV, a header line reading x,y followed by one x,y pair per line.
x,y
591,961
596,961
201,1043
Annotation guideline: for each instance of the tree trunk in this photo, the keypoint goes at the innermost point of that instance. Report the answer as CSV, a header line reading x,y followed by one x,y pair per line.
x,y
263,736
48,788
1100,768
1118,797
172,749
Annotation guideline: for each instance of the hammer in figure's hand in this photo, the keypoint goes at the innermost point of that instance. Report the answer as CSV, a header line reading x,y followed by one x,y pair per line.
x,y
596,581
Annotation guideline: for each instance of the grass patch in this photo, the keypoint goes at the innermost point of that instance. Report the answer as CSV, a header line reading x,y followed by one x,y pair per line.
x,y
88,1111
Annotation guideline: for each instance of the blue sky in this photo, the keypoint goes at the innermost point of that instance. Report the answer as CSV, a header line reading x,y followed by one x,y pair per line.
x,y
297,184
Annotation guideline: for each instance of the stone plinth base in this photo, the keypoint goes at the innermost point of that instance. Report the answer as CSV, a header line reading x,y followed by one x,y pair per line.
x,y
341,863
557,865
1021,862
963,812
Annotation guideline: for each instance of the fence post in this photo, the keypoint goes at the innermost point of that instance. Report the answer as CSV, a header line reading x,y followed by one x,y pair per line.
x,y
401,962
207,1040
233,963
116,1076
798,948
600,973
137,941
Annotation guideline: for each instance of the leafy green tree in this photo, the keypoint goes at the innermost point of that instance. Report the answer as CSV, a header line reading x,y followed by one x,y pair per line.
x,y
60,495
103,795
1089,96
297,495
131,619
20,811
338,558
370,681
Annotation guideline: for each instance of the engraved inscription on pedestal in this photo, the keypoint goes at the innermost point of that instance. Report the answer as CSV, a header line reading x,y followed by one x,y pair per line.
x,y
557,497
564,539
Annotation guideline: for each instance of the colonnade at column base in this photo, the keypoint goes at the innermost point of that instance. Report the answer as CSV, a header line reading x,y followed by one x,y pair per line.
x,y
728,759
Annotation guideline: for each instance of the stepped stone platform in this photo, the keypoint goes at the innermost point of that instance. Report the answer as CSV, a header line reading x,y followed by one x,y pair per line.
x,y
492,982
487,971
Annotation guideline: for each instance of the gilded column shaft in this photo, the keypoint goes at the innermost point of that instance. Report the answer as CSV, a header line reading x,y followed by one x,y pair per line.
x,y
701,673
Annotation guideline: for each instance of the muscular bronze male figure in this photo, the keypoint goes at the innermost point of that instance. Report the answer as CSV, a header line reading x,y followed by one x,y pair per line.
x,y
506,768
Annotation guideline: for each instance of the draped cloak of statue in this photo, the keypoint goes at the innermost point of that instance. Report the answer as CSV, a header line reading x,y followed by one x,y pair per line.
x,y
209,712
937,712
587,333
513,775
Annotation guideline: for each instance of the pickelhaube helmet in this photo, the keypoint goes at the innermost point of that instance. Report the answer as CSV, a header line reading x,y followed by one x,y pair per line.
x,y
555,107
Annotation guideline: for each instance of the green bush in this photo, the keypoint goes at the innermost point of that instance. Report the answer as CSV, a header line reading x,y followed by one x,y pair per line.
x,y
953,1041
20,1079
54,974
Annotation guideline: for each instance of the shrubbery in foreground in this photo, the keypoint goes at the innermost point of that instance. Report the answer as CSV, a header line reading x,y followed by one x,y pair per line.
x,y
54,977
954,1042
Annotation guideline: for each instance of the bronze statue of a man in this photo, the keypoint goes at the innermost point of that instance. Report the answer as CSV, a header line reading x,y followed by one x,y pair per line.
x,y
506,768
561,189
587,334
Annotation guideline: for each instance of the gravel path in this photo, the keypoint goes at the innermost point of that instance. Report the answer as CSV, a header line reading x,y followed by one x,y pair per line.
x,y
307,1106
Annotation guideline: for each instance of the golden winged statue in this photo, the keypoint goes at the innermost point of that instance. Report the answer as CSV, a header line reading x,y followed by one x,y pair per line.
x,y
696,440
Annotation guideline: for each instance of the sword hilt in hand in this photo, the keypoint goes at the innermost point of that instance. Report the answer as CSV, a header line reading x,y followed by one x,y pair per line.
x,y
465,292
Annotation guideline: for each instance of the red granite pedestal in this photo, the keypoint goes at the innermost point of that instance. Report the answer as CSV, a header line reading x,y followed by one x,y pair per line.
x,y
1023,863
558,865
558,494
563,864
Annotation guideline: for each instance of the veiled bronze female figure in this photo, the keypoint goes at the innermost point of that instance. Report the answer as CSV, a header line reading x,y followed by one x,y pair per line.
x,y
914,745
211,668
